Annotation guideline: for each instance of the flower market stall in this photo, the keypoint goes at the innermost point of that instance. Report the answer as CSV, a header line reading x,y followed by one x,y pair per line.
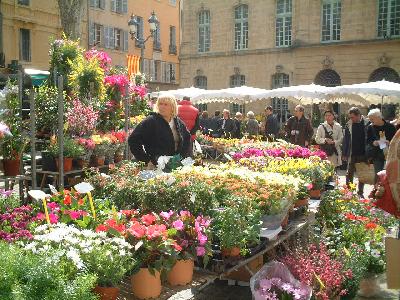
x,y
270,214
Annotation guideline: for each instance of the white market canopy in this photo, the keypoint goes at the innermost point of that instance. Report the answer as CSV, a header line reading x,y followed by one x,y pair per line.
x,y
372,92
239,95
190,92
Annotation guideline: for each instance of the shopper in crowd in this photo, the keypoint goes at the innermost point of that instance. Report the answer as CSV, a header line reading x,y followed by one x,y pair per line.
x,y
238,125
329,137
298,128
214,123
252,126
204,122
161,133
354,143
379,135
226,126
271,124
189,115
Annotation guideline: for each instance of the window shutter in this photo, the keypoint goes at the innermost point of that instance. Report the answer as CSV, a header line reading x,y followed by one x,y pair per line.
x,y
125,6
91,33
102,4
174,72
152,70
92,3
126,38
112,37
146,68
168,73
163,79
113,5
106,37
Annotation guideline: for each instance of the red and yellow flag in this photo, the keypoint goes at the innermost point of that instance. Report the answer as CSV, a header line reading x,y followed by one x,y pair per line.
x,y
133,65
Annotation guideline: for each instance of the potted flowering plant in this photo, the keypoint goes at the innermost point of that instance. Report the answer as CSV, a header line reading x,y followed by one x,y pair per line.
x,y
81,118
192,236
108,258
89,146
72,150
102,144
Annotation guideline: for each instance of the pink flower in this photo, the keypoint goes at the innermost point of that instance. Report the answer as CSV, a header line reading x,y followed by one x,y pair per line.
x,y
202,239
185,213
53,206
148,219
53,218
74,214
185,243
309,186
178,225
166,215
201,251
41,216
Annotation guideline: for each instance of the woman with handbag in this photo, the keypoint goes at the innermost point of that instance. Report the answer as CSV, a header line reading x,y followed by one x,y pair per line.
x,y
329,137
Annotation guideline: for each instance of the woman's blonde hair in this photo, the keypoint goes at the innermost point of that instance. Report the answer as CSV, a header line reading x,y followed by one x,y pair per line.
x,y
170,99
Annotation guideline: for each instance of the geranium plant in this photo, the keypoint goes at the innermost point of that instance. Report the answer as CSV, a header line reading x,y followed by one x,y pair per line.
x,y
81,118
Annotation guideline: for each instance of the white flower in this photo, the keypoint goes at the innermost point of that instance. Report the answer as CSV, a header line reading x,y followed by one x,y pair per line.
x,y
74,256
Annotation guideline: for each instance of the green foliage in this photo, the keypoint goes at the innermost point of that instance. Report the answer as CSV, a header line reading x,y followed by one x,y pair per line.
x,y
86,79
8,200
139,107
71,148
237,224
46,108
28,276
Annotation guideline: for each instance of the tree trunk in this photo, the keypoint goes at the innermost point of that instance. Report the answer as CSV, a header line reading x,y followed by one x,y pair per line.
x,y
71,13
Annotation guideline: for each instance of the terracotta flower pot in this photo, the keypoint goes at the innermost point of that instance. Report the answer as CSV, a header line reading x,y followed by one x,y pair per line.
x,y
231,252
181,273
67,163
107,293
98,161
82,163
315,194
118,158
11,167
302,202
145,285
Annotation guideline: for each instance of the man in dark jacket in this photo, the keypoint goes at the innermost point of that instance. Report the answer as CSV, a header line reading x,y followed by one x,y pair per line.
x,y
354,140
226,126
238,125
298,128
214,123
204,122
271,124
153,138
189,115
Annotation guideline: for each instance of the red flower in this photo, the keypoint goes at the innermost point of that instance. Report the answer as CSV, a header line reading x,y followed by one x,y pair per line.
x,y
154,231
177,247
67,200
81,201
350,216
137,230
371,225
148,219
101,227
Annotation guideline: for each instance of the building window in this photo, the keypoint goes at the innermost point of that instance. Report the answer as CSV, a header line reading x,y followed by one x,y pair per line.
x,y
157,38
331,14
140,30
385,73
97,34
204,31
119,6
389,18
201,107
241,27
236,81
118,39
23,2
172,2
172,73
200,82
172,40
98,4
283,23
24,44
328,77
280,106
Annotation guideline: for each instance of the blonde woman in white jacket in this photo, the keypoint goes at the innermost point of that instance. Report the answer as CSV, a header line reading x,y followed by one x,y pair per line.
x,y
329,137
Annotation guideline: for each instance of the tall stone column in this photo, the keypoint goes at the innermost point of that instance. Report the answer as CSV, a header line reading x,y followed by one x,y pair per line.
x,y
2,56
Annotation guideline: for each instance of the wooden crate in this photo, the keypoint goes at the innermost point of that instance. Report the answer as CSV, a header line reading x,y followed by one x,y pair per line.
x,y
242,274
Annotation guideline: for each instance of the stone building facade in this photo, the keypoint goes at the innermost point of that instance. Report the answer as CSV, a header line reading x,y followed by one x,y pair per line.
x,y
275,43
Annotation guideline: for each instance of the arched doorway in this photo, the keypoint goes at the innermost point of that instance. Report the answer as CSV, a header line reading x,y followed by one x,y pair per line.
x,y
329,77
385,73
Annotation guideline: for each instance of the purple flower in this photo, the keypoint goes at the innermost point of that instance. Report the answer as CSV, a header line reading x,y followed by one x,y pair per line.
x,y
201,251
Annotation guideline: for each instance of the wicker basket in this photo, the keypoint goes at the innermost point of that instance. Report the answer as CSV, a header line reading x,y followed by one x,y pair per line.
x,y
366,173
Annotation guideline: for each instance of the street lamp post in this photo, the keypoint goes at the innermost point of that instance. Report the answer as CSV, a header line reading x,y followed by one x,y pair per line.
x,y
134,31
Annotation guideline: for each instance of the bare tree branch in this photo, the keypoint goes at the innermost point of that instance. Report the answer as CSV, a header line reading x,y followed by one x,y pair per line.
x,y
71,13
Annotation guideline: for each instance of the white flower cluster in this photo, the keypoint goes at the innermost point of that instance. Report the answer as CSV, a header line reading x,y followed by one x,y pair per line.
x,y
74,243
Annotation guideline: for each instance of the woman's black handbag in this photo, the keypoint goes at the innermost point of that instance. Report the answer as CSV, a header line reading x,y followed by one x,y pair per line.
x,y
329,149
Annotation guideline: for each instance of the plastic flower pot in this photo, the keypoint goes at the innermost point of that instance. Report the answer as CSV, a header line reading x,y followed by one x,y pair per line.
x,y
231,252
302,202
107,293
11,167
48,162
145,285
315,194
181,273
67,163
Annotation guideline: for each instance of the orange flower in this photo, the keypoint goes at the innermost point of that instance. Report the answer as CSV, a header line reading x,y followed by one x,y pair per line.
x,y
371,225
